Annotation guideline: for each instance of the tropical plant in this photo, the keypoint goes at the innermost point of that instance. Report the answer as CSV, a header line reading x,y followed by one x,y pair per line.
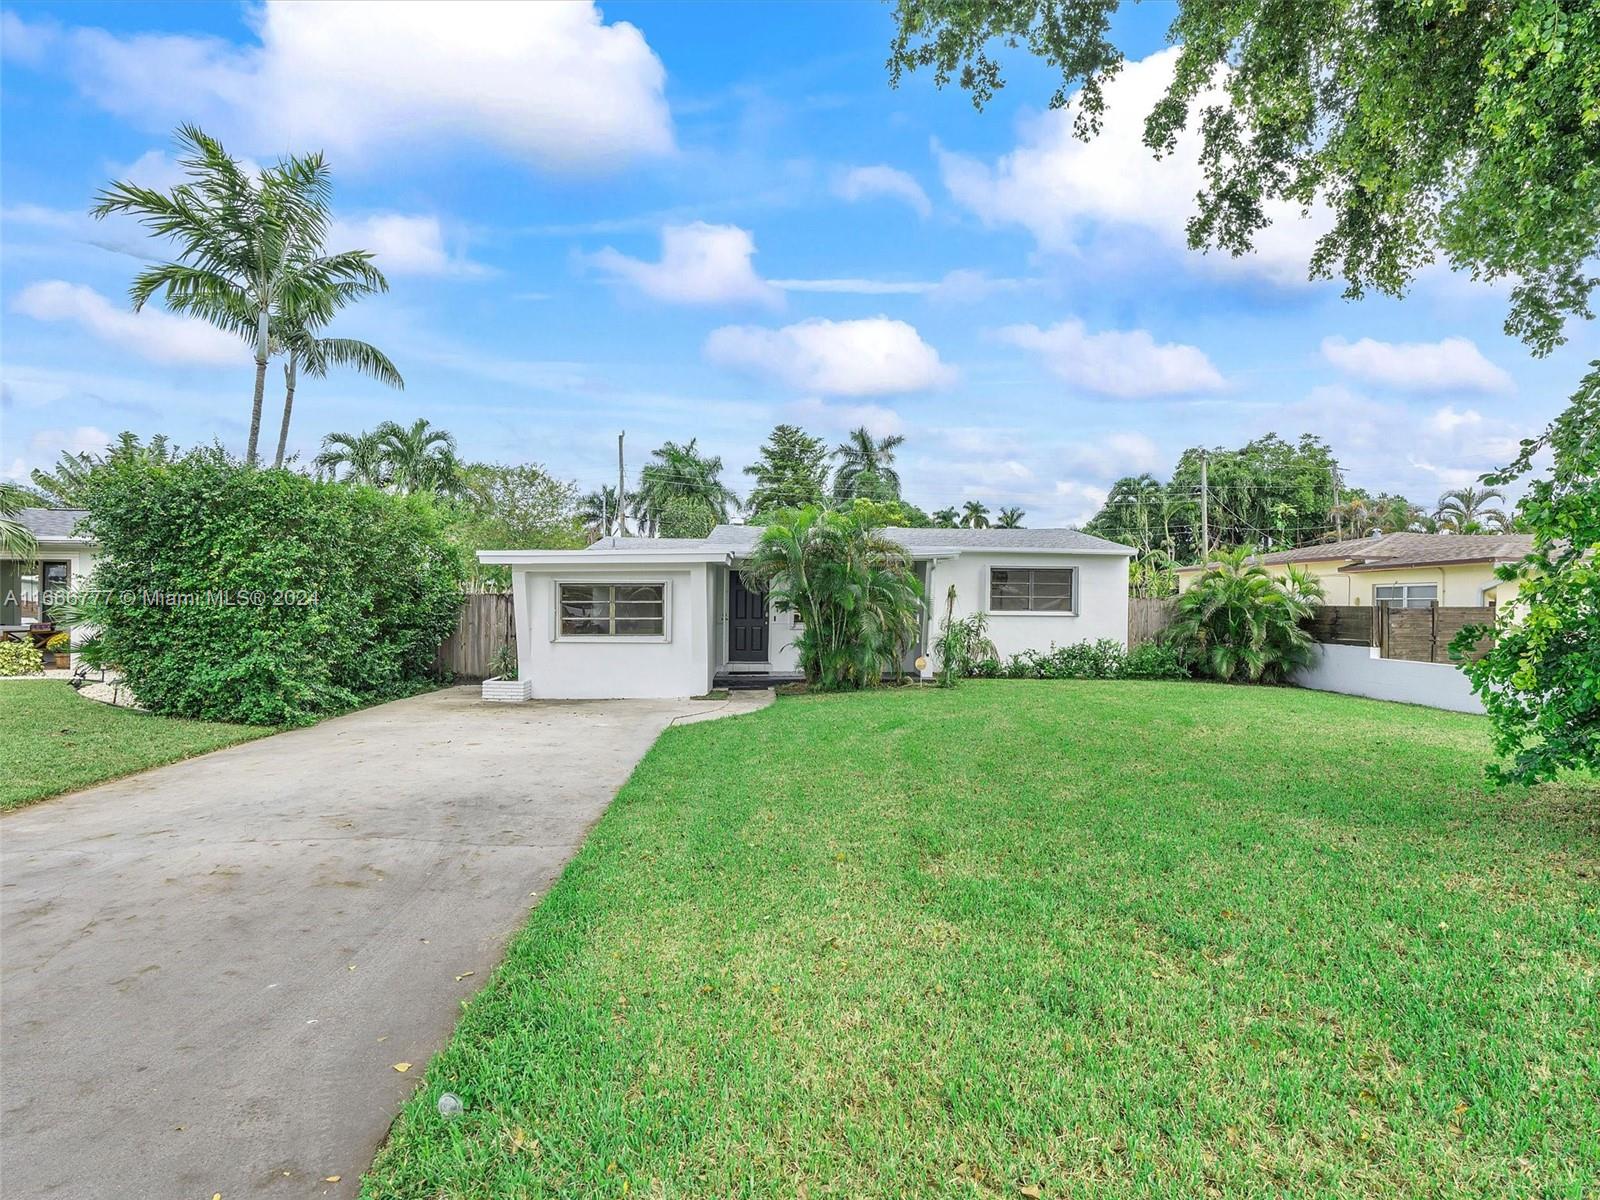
x,y
791,472
964,646
974,515
866,467
685,517
65,484
853,589
420,458
249,248
1470,510
1540,681
304,350
1010,518
947,518
1237,621
20,658
601,515
16,539
508,508
681,471
361,457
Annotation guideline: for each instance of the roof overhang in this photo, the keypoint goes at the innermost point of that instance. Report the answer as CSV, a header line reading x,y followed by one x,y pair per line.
x,y
1401,564
614,558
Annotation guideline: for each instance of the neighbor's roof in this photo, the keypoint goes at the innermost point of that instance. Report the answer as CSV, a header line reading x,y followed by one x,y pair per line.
x,y
1405,550
53,524
729,540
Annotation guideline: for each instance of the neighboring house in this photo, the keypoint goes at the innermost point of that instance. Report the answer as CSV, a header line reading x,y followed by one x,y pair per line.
x,y
660,617
62,559
1410,570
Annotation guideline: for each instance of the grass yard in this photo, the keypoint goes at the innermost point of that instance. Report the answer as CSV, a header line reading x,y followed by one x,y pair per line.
x,y
1044,939
53,741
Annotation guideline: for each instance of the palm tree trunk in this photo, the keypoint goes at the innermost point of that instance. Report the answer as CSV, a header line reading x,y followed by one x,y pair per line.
x,y
288,407
262,348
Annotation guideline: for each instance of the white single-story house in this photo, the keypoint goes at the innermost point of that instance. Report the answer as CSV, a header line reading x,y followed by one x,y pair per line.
x,y
63,558
666,617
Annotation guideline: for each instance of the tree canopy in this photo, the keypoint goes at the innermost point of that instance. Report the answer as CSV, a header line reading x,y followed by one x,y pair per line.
x,y
1434,128
791,472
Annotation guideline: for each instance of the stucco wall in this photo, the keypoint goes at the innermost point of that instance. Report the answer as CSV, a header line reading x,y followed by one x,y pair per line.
x,y
1461,585
599,668
1101,600
1357,671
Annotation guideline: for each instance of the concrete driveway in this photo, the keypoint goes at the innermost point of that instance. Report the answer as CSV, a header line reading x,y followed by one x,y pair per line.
x,y
210,969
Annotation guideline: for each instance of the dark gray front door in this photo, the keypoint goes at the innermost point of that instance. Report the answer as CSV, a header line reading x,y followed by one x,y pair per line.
x,y
747,622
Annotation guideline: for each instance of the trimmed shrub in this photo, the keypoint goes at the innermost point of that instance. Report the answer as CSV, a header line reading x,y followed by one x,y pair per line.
x,y
20,658
1154,660
232,594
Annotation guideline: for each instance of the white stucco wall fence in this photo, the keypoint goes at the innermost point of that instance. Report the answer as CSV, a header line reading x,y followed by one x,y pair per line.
x,y
1359,671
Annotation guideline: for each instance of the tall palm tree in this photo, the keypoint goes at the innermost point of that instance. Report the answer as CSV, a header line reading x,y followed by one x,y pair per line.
x,y
681,472
362,457
946,518
600,515
1010,518
249,248
1468,510
420,457
16,539
866,467
304,350
974,515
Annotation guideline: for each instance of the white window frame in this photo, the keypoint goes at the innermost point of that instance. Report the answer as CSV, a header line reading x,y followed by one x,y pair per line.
x,y
988,591
1405,595
607,639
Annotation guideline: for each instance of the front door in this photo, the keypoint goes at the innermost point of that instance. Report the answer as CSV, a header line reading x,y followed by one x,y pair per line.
x,y
747,622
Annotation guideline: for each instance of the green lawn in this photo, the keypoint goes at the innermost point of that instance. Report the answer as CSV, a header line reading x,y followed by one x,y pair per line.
x,y
53,741
1045,939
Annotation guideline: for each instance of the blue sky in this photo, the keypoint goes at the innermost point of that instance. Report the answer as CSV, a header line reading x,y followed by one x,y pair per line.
x,y
697,221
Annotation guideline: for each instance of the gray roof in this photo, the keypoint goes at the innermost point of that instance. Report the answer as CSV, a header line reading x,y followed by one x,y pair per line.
x,y
53,524
742,538
1406,549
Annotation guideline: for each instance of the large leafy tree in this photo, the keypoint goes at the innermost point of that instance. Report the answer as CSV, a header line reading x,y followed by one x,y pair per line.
x,y
866,467
790,472
853,589
1540,682
249,248
1429,128
1238,622
682,472
509,508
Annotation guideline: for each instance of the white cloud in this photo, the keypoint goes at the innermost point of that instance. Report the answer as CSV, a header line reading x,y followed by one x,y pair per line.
x,y
700,264
861,183
47,445
838,418
1063,190
1108,456
961,286
872,357
403,244
1452,365
1079,501
552,84
151,333
1117,363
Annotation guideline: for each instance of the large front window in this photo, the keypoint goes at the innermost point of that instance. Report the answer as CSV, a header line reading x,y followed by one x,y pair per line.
x,y
1406,595
613,609
1029,589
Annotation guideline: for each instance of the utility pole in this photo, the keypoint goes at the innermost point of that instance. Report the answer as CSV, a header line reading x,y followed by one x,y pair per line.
x,y
622,507
1205,512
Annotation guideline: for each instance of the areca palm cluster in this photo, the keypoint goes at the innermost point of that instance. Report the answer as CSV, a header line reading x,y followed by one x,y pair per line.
x,y
1471,510
251,260
853,589
680,477
398,458
1238,622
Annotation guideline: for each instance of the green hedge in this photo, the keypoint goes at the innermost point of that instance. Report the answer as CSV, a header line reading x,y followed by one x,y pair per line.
x,y
225,593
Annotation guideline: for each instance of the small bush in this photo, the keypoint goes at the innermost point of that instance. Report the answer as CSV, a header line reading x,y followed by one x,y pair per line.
x,y
20,658
1154,660
59,643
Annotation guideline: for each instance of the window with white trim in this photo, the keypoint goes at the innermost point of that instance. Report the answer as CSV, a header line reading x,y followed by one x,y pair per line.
x,y
1406,595
1031,589
612,610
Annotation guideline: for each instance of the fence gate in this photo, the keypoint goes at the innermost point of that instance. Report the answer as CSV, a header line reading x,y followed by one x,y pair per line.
x,y
483,625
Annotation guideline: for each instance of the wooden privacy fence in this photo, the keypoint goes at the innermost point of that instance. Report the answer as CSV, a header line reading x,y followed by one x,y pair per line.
x,y
1341,624
1425,634
1148,618
483,625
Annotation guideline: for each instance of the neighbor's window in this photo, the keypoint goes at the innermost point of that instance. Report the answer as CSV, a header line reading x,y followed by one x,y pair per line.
x,y
1406,595
613,609
1026,589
